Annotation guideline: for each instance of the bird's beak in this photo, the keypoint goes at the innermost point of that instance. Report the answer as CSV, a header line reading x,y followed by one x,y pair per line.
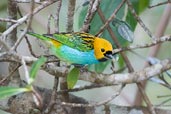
x,y
114,57
109,56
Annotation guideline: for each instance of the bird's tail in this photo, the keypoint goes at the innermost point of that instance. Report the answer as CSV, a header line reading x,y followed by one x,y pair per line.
x,y
42,37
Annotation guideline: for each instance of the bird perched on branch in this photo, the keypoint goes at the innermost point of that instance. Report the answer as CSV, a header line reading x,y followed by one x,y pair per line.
x,y
78,48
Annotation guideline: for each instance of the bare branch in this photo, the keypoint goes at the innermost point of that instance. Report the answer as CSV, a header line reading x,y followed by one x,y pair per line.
x,y
23,19
57,16
126,78
153,43
28,26
8,20
4,44
93,6
48,24
159,4
30,47
27,1
92,86
94,104
9,75
139,20
110,18
70,15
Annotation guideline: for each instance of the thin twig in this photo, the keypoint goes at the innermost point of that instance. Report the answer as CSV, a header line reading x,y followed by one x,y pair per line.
x,y
70,15
159,4
9,75
48,24
4,44
37,98
110,18
27,1
27,28
94,104
153,43
53,96
139,20
12,14
162,96
92,86
28,42
23,19
30,47
146,99
93,6
8,20
164,102
56,17
86,24
27,76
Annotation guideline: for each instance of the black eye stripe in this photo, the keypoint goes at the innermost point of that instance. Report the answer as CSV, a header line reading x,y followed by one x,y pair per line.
x,y
102,50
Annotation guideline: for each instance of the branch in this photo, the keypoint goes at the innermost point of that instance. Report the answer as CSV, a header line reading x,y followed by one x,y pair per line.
x,y
4,44
93,6
153,43
159,4
27,1
110,18
70,15
23,19
56,17
139,20
94,104
126,78
26,29
8,20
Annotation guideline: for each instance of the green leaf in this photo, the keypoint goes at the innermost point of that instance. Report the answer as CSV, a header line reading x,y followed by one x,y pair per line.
x,y
143,4
10,91
123,29
72,77
35,67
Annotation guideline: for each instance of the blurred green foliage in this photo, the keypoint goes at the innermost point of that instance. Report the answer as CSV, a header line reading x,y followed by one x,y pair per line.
x,y
3,10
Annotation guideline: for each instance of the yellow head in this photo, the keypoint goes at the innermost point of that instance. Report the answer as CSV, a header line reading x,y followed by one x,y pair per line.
x,y
102,49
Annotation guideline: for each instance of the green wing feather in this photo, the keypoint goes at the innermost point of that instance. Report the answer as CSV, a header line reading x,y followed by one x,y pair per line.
x,y
81,41
77,40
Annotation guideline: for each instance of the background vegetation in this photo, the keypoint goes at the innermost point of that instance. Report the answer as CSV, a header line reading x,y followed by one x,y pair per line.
x,y
139,82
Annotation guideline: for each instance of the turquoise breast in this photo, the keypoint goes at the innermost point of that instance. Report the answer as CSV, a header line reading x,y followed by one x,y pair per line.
x,y
74,56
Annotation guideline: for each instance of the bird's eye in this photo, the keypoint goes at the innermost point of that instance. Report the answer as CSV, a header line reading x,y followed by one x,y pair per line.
x,y
102,50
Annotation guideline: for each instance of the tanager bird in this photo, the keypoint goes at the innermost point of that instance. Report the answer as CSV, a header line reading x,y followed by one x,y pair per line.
x,y
78,48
